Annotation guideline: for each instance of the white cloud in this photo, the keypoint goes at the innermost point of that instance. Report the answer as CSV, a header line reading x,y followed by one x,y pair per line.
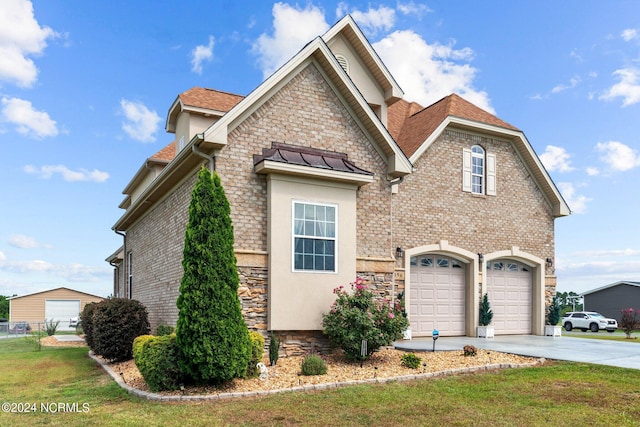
x,y
618,156
577,203
21,36
372,20
67,174
25,242
556,159
628,88
428,72
142,123
28,120
573,82
73,272
414,9
591,171
200,54
630,34
292,29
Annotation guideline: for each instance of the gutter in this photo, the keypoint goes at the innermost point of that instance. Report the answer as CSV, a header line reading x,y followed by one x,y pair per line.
x,y
124,258
198,138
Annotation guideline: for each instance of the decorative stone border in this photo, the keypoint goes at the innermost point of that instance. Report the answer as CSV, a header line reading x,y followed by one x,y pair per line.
x,y
325,386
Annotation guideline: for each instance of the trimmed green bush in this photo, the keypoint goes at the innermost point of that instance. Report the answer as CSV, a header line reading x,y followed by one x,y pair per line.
x,y
257,350
116,323
165,330
157,361
86,320
410,360
358,316
313,364
274,349
211,333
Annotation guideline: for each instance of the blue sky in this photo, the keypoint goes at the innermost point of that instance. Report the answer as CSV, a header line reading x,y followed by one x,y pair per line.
x,y
85,88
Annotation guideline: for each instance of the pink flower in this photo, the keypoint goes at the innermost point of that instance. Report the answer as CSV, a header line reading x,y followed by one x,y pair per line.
x,y
391,315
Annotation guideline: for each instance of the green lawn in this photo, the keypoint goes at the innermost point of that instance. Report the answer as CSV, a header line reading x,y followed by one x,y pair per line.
x,y
602,335
555,394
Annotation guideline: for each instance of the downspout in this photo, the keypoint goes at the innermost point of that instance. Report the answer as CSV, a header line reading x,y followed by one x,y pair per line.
x,y
124,259
393,182
198,138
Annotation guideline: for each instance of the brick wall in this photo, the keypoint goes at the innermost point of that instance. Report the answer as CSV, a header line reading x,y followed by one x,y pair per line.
x,y
431,205
304,112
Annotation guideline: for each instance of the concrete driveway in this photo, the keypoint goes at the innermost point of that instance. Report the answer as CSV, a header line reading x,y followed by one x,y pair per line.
x,y
602,352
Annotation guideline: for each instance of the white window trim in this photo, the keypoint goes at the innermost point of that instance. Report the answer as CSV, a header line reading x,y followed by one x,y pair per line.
x,y
293,237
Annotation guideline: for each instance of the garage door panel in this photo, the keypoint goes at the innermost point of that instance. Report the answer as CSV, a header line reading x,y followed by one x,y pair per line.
x,y
61,311
440,297
510,292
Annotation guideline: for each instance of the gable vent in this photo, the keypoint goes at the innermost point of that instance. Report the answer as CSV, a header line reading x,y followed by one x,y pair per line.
x,y
343,63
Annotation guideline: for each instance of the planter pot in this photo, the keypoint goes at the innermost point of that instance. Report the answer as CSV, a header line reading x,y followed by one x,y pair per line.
x,y
407,334
552,331
485,331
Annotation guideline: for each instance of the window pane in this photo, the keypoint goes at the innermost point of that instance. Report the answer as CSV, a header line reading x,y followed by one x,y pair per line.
x,y
426,262
331,230
512,267
318,247
455,264
298,227
298,262
413,261
443,262
308,246
299,211
321,213
330,247
329,263
319,262
309,211
498,266
331,213
309,228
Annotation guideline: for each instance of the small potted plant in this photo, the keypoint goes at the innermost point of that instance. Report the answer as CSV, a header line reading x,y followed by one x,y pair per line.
x,y
486,316
552,329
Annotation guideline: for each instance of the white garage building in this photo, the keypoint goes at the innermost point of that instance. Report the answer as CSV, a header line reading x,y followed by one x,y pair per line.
x,y
59,304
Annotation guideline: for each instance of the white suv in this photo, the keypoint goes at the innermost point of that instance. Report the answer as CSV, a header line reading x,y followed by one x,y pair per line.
x,y
591,320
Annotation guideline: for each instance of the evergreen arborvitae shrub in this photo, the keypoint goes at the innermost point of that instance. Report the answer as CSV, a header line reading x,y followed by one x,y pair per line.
x,y
274,349
257,349
116,323
86,320
554,311
486,315
211,333
157,361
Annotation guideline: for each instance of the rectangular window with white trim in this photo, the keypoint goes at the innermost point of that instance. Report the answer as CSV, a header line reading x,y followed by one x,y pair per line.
x,y
314,237
129,274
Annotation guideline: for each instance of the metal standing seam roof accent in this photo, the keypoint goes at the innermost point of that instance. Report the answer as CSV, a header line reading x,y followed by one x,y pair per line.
x,y
311,157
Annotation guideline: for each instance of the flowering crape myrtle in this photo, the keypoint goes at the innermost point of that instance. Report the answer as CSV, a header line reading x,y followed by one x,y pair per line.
x,y
359,316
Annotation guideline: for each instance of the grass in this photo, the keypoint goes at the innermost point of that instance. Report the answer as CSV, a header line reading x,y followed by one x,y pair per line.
x,y
615,336
585,394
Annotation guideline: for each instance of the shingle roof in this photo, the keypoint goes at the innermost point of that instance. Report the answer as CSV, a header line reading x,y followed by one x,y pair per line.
x,y
411,127
210,99
306,156
166,154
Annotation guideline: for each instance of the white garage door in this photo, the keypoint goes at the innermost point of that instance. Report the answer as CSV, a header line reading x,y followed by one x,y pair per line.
x,y
61,310
509,285
436,297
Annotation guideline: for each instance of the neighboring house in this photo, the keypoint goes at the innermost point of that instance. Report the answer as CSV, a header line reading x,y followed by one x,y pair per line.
x,y
611,299
60,304
330,175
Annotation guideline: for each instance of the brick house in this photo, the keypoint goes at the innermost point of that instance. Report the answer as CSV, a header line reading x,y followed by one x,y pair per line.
x,y
330,175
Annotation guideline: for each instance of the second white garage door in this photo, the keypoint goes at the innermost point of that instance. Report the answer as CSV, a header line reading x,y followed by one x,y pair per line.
x,y
436,297
509,285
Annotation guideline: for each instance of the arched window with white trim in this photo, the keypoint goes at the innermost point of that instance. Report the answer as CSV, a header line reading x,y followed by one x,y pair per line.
x,y
478,171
